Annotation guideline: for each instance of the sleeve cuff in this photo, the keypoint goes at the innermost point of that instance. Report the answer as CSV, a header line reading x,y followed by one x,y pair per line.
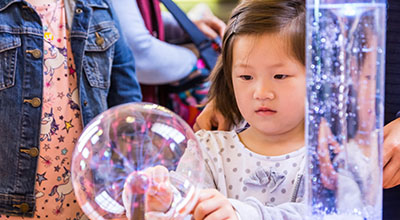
x,y
243,209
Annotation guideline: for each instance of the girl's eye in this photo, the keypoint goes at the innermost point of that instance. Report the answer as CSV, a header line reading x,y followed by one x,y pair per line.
x,y
280,76
246,77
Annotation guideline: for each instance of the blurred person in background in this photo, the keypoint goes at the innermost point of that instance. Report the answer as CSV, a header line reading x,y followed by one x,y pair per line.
x,y
159,54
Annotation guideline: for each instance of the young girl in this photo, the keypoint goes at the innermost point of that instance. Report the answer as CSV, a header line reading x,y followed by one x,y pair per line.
x,y
260,78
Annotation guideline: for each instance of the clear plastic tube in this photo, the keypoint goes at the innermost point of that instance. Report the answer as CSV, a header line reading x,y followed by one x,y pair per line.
x,y
345,48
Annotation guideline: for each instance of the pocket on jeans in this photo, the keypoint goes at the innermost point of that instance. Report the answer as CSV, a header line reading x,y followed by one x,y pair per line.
x,y
8,60
99,54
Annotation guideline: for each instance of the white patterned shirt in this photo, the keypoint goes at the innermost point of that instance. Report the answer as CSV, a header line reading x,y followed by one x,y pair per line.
x,y
258,186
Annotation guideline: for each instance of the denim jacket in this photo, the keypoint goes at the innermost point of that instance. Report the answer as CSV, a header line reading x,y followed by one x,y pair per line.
x,y
105,73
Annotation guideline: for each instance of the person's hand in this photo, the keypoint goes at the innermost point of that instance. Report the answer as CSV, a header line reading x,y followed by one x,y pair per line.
x,y
154,184
159,194
328,173
210,118
212,205
391,154
211,26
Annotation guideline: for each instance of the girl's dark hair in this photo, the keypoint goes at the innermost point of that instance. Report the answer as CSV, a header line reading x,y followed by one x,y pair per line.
x,y
256,17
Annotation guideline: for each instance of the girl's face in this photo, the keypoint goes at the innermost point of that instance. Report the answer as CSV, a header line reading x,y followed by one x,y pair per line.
x,y
269,84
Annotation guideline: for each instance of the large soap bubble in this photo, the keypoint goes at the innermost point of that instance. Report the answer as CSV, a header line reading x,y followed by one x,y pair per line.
x,y
117,148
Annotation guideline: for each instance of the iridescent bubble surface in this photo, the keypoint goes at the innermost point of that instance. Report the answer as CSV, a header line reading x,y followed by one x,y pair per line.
x,y
345,50
125,141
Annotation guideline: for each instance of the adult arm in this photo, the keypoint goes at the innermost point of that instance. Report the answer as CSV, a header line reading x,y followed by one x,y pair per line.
x,y
157,62
207,23
174,34
391,154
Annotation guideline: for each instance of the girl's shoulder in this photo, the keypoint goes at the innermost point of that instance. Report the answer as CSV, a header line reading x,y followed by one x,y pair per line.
x,y
218,140
224,136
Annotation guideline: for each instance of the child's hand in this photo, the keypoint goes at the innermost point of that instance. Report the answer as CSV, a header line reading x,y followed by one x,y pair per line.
x,y
154,184
159,195
212,205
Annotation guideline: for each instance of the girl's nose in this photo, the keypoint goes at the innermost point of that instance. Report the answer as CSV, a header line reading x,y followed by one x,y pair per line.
x,y
263,92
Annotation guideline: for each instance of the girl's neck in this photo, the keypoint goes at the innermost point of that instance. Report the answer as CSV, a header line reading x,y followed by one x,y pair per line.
x,y
273,145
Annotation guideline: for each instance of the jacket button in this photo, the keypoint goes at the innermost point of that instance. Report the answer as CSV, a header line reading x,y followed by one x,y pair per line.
x,y
78,10
99,39
36,53
33,152
23,207
85,103
35,102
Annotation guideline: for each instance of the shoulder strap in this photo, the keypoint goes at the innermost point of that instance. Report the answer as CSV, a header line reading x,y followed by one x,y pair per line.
x,y
203,44
151,13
